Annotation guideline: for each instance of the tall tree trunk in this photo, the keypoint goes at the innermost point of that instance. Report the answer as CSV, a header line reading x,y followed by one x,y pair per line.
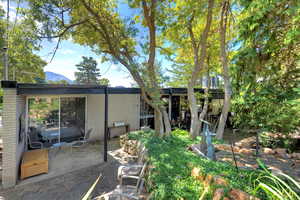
x,y
203,145
198,65
166,120
226,76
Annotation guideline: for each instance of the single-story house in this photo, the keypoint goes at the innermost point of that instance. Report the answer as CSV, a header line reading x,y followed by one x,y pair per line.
x,y
51,114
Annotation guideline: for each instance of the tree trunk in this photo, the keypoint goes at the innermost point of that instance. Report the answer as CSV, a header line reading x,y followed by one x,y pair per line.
x,y
158,122
167,123
198,65
224,61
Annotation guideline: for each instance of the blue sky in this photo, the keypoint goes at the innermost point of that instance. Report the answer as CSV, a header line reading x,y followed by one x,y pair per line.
x,y
69,54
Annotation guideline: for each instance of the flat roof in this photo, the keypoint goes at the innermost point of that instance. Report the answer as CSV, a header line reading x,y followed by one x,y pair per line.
x,y
57,89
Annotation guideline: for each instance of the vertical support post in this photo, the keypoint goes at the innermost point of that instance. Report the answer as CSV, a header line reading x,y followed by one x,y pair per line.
x,y
105,123
170,105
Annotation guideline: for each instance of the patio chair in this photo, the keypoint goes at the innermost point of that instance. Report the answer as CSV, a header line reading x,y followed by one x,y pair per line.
x,y
34,144
125,192
133,169
137,177
82,140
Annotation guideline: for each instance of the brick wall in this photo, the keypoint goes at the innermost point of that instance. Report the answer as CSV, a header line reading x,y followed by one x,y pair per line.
x,y
13,106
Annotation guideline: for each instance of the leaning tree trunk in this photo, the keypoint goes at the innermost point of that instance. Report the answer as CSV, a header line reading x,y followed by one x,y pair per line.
x,y
158,122
224,61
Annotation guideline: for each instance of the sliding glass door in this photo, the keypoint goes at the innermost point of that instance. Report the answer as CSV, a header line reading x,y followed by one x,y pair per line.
x,y
72,118
56,119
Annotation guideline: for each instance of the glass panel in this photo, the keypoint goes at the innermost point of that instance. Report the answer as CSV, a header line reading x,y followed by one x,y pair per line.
x,y
72,118
43,122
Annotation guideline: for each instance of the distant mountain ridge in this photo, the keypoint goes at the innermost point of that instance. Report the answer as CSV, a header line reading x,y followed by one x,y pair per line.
x,y
51,76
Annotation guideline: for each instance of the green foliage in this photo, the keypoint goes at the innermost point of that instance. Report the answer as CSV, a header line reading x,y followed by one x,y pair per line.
x,y
171,176
266,68
279,187
88,73
22,46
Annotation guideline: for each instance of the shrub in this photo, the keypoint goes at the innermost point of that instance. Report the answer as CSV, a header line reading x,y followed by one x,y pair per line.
x,y
170,177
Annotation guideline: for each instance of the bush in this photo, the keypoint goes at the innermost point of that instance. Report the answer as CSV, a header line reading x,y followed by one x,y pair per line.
x,y
170,177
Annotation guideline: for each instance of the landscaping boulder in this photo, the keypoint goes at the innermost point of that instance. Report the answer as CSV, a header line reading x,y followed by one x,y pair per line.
x,y
296,156
218,180
237,194
249,142
208,180
218,194
247,151
223,147
268,151
280,150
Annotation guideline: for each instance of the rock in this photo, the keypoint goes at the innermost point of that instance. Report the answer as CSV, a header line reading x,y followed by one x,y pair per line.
x,y
237,194
247,142
296,156
220,181
254,166
247,151
218,194
208,180
280,150
268,151
283,155
195,172
223,147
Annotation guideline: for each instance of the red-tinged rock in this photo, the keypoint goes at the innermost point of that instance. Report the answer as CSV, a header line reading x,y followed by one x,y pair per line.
x,y
208,180
237,194
220,181
218,194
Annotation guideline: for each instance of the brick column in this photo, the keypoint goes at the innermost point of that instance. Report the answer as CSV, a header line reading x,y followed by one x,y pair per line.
x,y
9,136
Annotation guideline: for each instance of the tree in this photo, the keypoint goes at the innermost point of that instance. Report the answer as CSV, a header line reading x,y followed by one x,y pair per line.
x,y
98,24
103,81
266,71
24,64
224,60
88,71
189,35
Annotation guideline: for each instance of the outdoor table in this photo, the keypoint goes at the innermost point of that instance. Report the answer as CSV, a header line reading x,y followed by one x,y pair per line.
x,y
126,126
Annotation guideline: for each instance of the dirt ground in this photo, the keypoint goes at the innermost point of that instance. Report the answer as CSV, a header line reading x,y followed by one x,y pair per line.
x,y
275,162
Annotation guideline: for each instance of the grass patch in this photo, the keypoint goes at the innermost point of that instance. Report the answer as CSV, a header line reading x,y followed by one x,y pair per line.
x,y
171,178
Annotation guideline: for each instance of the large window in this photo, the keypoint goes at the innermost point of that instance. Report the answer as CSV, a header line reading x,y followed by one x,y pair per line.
x,y
54,120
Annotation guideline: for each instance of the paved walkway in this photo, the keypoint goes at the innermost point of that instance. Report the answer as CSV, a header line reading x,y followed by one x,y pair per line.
x,y
70,186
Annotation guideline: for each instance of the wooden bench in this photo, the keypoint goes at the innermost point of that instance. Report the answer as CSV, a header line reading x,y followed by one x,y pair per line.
x,y
34,162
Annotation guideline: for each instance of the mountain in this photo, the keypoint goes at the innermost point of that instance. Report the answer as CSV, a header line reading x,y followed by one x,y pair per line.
x,y
51,76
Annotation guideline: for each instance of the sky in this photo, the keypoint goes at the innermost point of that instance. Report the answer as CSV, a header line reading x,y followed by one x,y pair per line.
x,y
69,54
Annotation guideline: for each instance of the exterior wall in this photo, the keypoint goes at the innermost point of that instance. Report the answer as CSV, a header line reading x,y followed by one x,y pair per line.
x,y
121,107
95,116
13,107
126,108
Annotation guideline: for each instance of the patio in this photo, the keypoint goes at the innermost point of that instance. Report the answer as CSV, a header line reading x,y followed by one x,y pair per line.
x,y
66,159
